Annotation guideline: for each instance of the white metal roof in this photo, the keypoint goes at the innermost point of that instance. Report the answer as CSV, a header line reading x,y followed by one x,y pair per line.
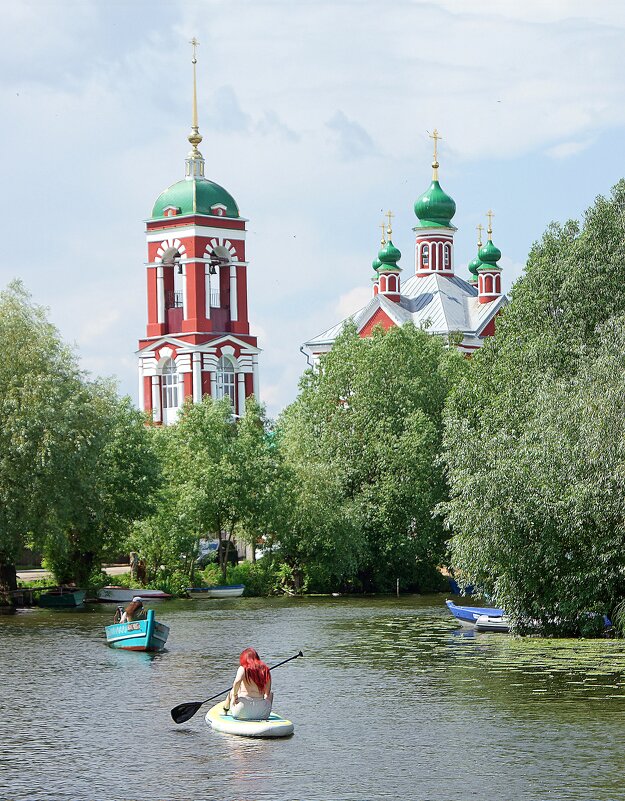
x,y
438,304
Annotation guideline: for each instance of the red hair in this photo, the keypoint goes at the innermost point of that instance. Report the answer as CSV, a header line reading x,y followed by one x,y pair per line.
x,y
256,670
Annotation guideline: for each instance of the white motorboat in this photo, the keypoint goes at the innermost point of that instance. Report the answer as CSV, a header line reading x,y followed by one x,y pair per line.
x,y
124,595
221,591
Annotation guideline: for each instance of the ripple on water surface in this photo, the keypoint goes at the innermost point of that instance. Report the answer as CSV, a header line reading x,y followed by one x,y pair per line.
x,y
391,701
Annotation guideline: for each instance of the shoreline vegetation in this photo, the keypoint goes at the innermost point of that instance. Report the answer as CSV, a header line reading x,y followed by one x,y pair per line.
x,y
397,457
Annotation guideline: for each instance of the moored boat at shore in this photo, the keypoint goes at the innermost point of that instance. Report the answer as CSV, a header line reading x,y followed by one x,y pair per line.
x,y
221,591
125,594
274,726
138,635
467,615
62,598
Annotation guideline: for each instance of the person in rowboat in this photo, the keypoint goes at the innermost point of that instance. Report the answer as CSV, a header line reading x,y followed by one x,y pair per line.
x,y
250,697
134,611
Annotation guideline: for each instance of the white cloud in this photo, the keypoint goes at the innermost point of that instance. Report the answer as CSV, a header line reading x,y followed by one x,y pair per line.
x,y
565,150
353,301
314,117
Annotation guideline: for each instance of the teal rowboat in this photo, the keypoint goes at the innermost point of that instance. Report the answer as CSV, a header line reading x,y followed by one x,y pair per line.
x,y
62,598
140,635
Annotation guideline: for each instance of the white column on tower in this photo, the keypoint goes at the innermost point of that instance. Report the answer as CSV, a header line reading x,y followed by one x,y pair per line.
x,y
156,399
255,375
213,376
197,377
241,394
141,386
160,294
184,292
207,291
234,307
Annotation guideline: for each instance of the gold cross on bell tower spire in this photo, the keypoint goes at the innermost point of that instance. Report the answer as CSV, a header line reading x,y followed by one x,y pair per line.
x,y
383,227
389,229
435,136
490,216
195,137
479,228
194,164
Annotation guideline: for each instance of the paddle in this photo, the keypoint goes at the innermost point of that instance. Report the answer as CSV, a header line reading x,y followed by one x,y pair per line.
x,y
183,712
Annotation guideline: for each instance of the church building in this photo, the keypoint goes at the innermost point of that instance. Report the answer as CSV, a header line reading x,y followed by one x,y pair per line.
x,y
198,338
434,298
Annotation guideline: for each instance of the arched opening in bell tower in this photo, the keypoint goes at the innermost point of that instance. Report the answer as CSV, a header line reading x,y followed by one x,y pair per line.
x,y
174,279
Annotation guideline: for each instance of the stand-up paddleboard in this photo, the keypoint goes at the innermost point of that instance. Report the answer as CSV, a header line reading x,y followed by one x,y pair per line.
x,y
275,726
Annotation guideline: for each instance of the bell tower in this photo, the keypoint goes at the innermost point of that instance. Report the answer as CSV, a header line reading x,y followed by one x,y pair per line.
x,y
198,338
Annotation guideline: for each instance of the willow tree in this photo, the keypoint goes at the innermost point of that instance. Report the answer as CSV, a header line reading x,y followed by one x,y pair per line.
x,y
39,377
534,434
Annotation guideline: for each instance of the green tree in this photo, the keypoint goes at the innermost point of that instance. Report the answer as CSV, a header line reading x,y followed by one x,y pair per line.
x,y
221,474
372,415
534,431
39,378
111,476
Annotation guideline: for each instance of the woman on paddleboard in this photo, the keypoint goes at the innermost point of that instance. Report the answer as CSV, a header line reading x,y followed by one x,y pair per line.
x,y
250,697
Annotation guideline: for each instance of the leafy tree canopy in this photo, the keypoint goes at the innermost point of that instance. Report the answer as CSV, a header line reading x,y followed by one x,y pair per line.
x,y
534,432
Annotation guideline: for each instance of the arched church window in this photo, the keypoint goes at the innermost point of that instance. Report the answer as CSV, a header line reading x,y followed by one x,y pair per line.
x,y
226,379
425,255
447,256
170,385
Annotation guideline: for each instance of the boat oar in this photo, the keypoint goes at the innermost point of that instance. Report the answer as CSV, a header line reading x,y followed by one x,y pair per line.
x,y
184,712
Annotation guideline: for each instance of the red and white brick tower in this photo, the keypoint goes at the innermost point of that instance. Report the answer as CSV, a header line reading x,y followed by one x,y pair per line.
x,y
198,336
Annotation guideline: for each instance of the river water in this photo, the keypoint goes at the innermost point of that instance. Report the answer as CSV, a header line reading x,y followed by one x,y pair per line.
x,y
391,701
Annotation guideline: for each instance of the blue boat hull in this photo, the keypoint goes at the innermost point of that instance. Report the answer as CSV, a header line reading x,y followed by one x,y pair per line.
x,y
140,635
469,614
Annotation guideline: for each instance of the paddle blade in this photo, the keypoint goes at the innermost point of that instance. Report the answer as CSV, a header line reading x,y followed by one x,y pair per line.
x,y
184,712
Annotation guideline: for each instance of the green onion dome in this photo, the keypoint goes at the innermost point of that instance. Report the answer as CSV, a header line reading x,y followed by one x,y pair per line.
x,y
389,255
195,196
435,208
489,255
474,266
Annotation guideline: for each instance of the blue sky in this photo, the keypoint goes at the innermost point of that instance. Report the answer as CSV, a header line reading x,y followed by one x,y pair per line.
x,y
314,117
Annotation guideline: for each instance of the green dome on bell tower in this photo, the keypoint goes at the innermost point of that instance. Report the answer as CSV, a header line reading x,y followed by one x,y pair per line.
x,y
490,254
435,208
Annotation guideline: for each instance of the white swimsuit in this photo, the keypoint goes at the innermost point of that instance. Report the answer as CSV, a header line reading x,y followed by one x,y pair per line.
x,y
247,708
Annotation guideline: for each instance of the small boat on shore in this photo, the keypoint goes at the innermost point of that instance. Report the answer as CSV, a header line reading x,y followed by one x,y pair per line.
x,y
124,595
467,615
221,591
62,598
139,635
274,726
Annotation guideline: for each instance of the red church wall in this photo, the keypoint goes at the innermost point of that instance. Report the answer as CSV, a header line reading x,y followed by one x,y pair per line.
x,y
188,385
379,318
147,393
489,329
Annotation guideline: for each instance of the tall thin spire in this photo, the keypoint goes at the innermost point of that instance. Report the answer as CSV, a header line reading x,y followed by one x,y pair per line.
x,y
490,214
194,164
435,136
479,228
389,230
